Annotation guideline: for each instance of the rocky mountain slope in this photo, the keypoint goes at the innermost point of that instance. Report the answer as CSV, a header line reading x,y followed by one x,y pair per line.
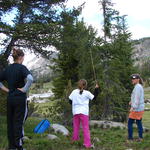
x,y
141,51
40,67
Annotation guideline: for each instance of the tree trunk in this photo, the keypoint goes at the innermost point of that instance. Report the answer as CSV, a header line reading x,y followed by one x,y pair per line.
x,y
6,54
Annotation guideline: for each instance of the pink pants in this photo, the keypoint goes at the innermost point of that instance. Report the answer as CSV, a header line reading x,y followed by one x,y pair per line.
x,y
84,119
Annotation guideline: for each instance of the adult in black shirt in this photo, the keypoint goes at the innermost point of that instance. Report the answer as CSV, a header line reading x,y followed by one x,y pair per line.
x,y
15,75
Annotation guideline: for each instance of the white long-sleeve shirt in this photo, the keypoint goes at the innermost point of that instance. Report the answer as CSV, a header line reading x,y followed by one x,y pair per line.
x,y
137,98
80,102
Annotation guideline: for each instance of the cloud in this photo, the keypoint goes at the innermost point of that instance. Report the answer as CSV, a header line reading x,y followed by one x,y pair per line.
x,y
139,32
138,12
135,8
138,16
90,8
91,12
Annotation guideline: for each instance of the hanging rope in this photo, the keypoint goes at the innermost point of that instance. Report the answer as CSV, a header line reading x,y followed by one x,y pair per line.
x,y
94,73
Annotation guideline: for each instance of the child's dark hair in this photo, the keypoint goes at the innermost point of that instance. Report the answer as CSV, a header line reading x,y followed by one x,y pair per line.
x,y
82,84
17,53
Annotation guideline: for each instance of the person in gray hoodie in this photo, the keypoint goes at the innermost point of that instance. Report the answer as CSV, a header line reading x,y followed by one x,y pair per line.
x,y
137,107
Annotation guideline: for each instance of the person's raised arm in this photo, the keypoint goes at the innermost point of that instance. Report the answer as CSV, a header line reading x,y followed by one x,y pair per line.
x,y
71,97
96,91
70,102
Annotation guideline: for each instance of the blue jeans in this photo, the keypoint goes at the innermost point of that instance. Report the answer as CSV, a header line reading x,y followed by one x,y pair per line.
x,y
130,128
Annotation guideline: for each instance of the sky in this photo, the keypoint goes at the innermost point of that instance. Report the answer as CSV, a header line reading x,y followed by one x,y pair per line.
x,y
137,11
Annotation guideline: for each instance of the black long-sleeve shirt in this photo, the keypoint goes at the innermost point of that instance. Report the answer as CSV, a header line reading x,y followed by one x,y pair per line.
x,y
15,75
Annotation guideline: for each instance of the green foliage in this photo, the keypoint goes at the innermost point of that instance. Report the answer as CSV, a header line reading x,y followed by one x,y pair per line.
x,y
74,61
56,110
62,105
34,26
32,108
147,93
48,110
67,63
3,103
37,87
3,62
116,65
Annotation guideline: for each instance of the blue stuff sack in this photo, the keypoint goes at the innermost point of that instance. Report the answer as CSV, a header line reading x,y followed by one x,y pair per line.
x,y
42,126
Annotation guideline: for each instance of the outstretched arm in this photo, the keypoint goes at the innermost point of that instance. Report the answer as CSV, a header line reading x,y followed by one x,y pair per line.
x,y
96,91
71,97
70,102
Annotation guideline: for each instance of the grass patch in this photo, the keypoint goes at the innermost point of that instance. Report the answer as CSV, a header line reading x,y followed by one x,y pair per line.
x,y
40,87
103,139
146,117
147,93
108,139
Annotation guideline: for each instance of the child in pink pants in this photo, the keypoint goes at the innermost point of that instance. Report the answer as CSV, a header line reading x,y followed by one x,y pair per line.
x,y
79,98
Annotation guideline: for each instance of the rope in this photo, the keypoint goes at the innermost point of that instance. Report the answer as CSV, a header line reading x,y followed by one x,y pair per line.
x,y
93,66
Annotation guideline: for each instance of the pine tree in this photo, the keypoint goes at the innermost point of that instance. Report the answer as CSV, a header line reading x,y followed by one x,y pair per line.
x,y
66,64
117,64
34,27
74,62
108,14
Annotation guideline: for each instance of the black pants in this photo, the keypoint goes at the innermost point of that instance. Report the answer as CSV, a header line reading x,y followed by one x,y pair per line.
x,y
16,116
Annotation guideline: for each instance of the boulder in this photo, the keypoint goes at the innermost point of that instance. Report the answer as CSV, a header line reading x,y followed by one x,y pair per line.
x,y
107,124
25,138
96,139
52,137
147,109
60,129
35,115
147,101
146,129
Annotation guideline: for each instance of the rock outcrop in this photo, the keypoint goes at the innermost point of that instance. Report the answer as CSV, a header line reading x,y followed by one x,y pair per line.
x,y
106,124
60,129
141,51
